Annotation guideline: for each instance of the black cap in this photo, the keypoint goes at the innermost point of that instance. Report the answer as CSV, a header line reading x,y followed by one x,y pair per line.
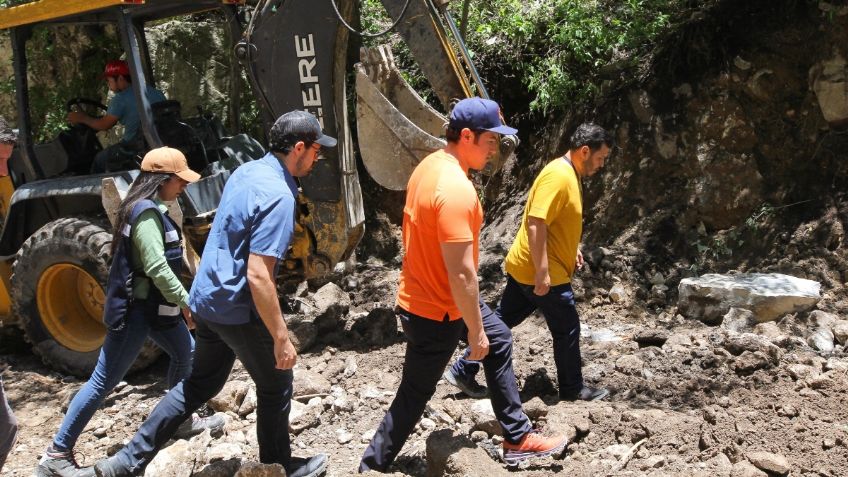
x,y
7,134
297,126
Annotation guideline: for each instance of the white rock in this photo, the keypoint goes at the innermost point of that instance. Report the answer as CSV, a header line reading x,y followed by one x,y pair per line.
x,y
738,320
343,436
223,451
484,417
230,397
618,293
248,405
834,364
350,367
366,436
821,339
768,296
769,462
427,424
840,331
829,79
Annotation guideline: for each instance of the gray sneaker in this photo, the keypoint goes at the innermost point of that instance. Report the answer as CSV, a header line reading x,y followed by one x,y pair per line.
x,y
60,464
111,468
195,425
311,467
468,386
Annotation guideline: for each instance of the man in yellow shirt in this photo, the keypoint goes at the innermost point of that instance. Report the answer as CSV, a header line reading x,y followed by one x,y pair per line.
x,y
542,261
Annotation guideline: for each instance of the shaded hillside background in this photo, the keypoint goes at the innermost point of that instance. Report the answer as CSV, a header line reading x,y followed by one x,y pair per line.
x,y
729,116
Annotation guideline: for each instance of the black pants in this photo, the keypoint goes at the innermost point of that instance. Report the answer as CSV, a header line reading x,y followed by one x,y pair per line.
x,y
216,349
430,345
517,303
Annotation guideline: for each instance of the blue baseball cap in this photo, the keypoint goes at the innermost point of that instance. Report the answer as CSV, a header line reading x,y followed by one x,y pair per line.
x,y
479,114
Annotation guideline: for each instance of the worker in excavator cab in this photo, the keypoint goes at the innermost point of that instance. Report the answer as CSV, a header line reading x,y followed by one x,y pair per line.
x,y
122,108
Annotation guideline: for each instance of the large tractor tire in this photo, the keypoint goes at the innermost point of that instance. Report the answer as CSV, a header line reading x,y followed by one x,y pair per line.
x,y
57,287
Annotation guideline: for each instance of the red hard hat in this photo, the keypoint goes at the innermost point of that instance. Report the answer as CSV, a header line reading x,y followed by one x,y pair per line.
x,y
116,68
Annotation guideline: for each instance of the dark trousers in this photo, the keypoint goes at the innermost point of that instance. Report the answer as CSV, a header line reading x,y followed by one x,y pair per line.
x,y
8,427
430,345
216,349
517,303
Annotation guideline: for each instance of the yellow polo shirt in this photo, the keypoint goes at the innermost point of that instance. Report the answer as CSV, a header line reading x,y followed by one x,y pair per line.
x,y
556,198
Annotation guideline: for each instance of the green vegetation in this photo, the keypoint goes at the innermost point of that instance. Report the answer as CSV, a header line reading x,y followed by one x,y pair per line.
x,y
565,49
560,51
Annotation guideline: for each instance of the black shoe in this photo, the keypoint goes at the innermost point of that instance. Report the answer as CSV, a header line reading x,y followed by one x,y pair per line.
x,y
586,394
467,385
111,468
311,467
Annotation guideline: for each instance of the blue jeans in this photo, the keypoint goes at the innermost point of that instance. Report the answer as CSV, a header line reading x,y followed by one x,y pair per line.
x,y
217,348
430,345
118,353
8,427
517,303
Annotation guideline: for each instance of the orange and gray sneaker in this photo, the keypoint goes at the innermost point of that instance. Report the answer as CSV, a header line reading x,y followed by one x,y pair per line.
x,y
533,445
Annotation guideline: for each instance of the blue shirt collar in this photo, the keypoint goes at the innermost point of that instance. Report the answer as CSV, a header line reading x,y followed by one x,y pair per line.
x,y
275,164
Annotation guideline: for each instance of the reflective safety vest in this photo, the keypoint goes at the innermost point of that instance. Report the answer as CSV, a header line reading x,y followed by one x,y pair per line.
x,y
119,290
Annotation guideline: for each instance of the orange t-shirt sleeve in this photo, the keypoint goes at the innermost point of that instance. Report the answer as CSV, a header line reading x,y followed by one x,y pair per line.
x,y
549,195
455,206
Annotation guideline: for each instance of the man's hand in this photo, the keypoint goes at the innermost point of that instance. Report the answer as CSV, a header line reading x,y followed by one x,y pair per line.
x,y
542,282
188,319
580,261
284,353
479,343
76,117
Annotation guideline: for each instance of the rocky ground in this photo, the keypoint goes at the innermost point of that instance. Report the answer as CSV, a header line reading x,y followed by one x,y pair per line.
x,y
687,398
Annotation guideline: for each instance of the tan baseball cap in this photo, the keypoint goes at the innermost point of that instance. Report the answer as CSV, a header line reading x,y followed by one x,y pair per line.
x,y
168,160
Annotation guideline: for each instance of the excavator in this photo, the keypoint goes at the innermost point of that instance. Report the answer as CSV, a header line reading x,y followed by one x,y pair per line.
x,y
56,217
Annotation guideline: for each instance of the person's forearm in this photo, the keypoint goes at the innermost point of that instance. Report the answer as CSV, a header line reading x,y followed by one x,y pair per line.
x,y
264,293
466,295
537,232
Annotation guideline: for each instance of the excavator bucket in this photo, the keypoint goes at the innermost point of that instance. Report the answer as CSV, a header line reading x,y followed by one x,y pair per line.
x,y
395,126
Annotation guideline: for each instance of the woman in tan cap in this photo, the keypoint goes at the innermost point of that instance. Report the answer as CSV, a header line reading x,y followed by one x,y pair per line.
x,y
144,298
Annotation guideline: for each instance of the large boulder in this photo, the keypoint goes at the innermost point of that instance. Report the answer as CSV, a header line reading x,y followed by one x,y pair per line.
x,y
769,296
451,455
331,304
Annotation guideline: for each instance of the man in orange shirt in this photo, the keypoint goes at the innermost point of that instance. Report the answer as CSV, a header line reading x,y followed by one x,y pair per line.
x,y
438,298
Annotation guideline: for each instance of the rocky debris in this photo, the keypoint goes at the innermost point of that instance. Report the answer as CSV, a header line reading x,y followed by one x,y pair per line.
x,y
738,320
829,80
248,404
840,331
535,409
302,332
191,452
230,397
309,383
452,455
331,304
304,416
629,364
261,470
651,337
769,462
483,417
376,328
618,293
769,296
